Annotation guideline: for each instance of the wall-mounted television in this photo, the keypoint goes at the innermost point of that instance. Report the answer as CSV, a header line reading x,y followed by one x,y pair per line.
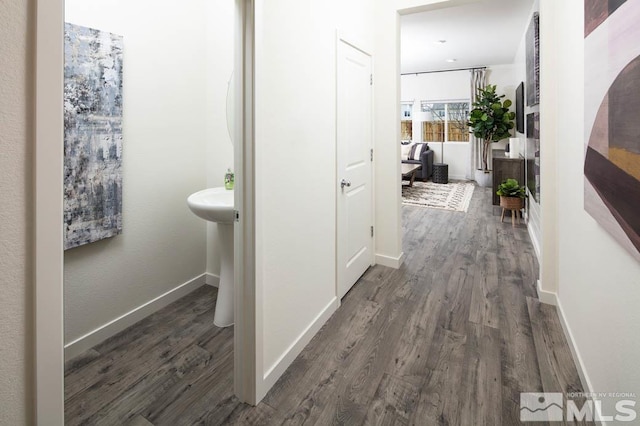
x,y
520,108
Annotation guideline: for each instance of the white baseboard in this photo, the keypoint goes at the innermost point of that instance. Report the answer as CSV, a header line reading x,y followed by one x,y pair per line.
x,y
577,359
553,299
458,177
212,280
391,262
546,296
280,366
100,334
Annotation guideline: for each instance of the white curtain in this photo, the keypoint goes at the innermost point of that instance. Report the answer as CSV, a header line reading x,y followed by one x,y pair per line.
x,y
478,81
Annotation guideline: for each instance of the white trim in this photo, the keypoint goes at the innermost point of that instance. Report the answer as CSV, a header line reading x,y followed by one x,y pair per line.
x,y
272,375
546,296
553,299
49,295
247,338
457,177
391,262
113,327
577,358
212,280
48,263
534,238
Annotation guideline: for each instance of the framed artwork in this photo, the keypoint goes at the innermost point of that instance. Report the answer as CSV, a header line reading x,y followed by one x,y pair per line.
x,y
612,128
532,155
533,61
92,135
520,108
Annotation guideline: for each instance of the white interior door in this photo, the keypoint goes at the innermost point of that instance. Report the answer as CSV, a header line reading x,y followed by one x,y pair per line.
x,y
354,166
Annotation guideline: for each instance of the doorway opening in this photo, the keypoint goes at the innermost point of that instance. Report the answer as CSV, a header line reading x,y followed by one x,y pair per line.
x,y
168,120
443,162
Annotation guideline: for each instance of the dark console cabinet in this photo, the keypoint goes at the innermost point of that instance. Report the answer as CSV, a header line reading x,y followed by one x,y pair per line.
x,y
505,168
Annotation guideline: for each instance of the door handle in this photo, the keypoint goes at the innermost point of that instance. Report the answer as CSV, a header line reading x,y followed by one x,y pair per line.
x,y
344,183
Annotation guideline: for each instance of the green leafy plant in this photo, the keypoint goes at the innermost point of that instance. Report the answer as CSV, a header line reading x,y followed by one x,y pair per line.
x,y
511,188
490,119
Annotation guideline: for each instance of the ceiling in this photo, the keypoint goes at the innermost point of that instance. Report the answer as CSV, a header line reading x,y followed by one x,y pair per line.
x,y
486,32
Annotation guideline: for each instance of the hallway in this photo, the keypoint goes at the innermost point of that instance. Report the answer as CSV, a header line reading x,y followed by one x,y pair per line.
x,y
452,337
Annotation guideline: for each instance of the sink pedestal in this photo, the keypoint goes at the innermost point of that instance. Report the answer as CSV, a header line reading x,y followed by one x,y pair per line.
x,y
216,205
223,316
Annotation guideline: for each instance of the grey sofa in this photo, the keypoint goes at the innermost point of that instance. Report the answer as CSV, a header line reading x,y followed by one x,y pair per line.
x,y
426,161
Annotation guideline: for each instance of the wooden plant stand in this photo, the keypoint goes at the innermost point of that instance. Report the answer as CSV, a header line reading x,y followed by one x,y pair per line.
x,y
515,204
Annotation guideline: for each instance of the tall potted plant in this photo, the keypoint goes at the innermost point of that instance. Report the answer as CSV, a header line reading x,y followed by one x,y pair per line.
x,y
491,121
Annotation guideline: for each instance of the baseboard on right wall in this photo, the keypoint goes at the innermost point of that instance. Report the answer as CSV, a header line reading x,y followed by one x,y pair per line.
x,y
286,359
553,299
575,353
546,296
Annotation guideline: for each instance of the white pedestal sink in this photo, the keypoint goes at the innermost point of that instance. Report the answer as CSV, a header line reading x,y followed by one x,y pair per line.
x,y
216,205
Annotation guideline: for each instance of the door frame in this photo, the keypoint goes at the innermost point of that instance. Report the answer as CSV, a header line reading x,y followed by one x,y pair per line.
x,y
48,214
341,37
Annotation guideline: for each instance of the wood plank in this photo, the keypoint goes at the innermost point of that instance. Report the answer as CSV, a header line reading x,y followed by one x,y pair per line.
x,y
557,370
393,403
111,375
485,301
201,398
410,361
246,415
176,321
458,293
81,360
139,421
481,386
440,398
520,370
151,387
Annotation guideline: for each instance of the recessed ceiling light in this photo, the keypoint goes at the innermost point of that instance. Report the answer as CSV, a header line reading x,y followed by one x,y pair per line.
x,y
452,60
442,41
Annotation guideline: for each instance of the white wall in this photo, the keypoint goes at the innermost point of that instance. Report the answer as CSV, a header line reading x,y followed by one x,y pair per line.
x,y
219,66
163,244
16,207
599,281
295,136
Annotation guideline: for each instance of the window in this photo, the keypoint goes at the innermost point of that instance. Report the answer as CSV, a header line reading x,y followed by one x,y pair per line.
x,y
406,110
445,121
406,125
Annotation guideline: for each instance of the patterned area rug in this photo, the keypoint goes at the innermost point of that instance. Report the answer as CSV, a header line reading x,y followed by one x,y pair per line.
x,y
454,196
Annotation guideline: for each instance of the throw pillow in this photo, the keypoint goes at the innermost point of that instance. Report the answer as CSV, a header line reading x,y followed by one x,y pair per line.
x,y
404,151
417,150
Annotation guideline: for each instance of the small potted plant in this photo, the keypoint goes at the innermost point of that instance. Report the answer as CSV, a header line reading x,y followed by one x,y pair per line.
x,y
511,196
491,121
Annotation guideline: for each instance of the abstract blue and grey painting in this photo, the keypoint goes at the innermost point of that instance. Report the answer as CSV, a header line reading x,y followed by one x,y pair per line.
x,y
92,135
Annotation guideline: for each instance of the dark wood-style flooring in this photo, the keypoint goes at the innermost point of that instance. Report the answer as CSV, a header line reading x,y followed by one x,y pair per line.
x,y
451,338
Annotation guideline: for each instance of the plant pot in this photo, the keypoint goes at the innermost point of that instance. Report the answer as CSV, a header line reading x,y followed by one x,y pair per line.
x,y
511,203
483,179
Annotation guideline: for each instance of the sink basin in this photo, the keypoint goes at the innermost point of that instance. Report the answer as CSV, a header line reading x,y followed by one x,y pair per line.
x,y
213,204
216,205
